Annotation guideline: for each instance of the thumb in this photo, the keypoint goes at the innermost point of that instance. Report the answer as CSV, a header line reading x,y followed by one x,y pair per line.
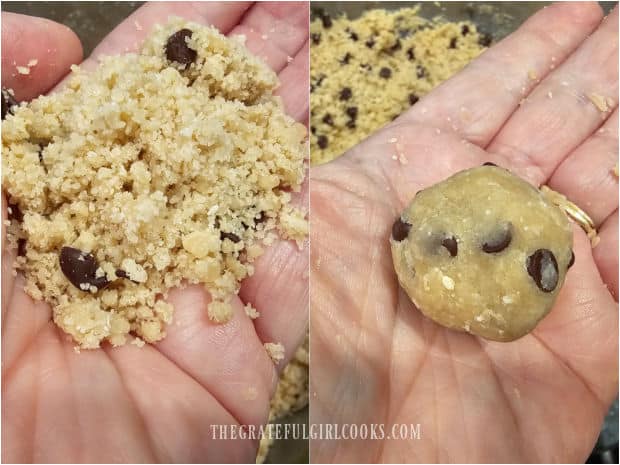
x,y
42,49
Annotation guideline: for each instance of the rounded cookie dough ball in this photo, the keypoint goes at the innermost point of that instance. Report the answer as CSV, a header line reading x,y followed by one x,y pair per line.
x,y
484,252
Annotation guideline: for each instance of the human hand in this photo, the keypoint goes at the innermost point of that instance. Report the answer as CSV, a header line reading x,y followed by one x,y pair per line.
x,y
377,359
156,403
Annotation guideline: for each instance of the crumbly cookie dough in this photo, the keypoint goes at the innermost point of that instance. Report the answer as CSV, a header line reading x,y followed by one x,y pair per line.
x,y
484,252
172,165
367,71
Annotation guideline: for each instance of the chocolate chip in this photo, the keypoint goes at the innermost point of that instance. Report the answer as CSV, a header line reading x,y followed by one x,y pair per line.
x,y
453,42
543,268
366,66
571,262
312,129
311,88
488,163
327,119
352,112
413,99
325,19
80,268
420,71
410,54
400,230
121,274
230,236
14,212
385,73
353,35
346,93
21,247
485,39
464,30
397,46
316,38
322,141
346,58
370,43
260,218
451,244
177,49
351,124
499,240
8,102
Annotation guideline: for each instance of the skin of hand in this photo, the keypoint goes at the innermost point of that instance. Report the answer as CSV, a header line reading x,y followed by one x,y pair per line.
x,y
156,403
377,359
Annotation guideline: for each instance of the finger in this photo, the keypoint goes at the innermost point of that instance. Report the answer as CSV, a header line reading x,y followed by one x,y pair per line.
x,y
128,36
477,101
560,113
586,176
278,289
294,80
606,253
585,314
275,31
228,360
160,389
26,39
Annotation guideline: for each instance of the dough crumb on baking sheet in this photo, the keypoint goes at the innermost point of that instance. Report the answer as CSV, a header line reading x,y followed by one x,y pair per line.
x,y
23,69
173,165
251,311
365,72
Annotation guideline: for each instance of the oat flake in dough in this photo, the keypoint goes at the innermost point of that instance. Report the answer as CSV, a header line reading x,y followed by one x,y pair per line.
x,y
156,171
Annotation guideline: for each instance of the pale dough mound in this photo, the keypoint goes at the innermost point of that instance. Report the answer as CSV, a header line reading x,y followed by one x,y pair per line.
x,y
367,71
484,252
147,172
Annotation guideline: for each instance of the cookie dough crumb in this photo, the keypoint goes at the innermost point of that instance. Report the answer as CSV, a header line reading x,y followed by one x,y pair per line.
x,y
220,312
33,62
136,341
366,71
251,311
170,165
599,102
532,75
23,70
615,170
275,351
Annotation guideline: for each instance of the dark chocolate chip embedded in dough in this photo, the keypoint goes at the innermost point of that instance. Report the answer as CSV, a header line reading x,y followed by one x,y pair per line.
x,y
420,71
80,268
385,72
370,43
488,163
352,112
8,102
230,236
413,99
322,141
410,54
177,49
312,129
346,93
453,42
346,58
396,47
451,245
351,124
400,230
366,66
327,119
543,268
571,262
21,247
14,212
464,30
325,19
316,38
353,35
499,239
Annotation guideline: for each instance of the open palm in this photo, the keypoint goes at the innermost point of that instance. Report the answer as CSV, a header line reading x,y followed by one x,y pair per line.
x,y
376,359
156,403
